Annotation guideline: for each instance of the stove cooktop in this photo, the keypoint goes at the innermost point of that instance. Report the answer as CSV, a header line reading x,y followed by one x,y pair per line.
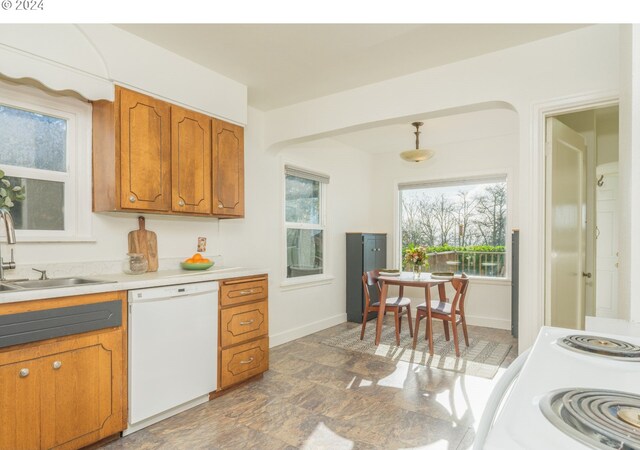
x,y
599,418
601,346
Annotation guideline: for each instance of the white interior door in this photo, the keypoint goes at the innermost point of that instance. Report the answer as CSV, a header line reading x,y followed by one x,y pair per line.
x,y
607,241
565,232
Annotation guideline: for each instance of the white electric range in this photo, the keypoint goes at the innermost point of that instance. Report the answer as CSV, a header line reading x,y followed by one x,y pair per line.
x,y
574,390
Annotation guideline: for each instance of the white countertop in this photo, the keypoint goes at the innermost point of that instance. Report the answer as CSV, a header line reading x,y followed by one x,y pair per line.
x,y
124,282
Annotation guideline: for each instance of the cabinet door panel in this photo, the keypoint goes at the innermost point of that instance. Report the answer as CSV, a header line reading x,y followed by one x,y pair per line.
x,y
243,361
381,252
78,394
20,406
243,323
144,152
190,161
228,169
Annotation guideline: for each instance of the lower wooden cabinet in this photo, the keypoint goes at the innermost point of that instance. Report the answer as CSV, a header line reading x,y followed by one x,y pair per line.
x,y
67,392
244,361
243,329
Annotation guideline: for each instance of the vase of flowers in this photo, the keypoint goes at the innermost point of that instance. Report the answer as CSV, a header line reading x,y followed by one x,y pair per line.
x,y
417,258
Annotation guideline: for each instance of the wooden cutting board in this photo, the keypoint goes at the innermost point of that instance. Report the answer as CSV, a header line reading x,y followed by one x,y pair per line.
x,y
145,242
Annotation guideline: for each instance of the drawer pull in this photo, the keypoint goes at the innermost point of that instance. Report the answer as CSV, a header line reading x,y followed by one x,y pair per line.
x,y
247,361
24,373
247,292
56,365
248,322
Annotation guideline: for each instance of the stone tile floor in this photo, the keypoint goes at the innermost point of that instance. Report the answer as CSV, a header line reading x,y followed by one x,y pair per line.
x,y
320,397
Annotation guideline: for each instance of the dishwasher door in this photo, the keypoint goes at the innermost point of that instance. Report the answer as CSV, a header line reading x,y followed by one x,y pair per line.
x,y
173,344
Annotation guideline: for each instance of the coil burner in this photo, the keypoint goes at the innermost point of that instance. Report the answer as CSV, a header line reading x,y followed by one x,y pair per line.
x,y
600,419
611,348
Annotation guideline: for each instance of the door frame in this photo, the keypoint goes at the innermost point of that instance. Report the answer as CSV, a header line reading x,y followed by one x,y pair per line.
x,y
537,167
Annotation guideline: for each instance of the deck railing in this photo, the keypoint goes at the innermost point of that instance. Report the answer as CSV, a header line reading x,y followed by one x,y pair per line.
x,y
483,264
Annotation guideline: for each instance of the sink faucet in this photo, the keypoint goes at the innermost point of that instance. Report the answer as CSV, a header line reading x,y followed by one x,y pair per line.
x,y
11,239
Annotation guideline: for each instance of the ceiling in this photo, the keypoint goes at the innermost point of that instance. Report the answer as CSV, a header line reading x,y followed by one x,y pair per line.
x,y
435,134
284,64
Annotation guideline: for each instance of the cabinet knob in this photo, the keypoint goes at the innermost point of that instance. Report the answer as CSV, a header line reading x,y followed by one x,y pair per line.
x,y
132,199
220,205
247,361
181,202
247,322
24,373
56,365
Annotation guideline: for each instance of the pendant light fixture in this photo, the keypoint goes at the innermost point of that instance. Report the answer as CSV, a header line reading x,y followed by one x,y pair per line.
x,y
419,154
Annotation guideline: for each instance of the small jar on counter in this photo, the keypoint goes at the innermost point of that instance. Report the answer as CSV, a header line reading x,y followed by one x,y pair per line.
x,y
135,264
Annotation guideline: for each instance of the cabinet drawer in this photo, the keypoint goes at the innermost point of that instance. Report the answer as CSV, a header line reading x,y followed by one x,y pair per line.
x,y
242,323
233,292
244,361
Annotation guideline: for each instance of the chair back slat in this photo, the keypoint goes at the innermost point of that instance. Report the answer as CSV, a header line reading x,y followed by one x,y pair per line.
x,y
369,279
460,285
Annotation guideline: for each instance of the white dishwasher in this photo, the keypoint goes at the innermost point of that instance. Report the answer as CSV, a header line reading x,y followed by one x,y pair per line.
x,y
173,344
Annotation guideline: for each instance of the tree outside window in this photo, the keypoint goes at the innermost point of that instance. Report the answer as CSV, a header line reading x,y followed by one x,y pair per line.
x,y
462,224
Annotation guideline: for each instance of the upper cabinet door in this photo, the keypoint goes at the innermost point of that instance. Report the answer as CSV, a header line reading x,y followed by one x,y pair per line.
x,y
145,152
190,161
228,169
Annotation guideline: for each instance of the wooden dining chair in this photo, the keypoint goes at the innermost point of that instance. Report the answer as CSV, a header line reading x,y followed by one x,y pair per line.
x,y
392,304
447,312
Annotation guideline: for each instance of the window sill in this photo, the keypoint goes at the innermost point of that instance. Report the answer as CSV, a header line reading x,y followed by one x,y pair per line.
x,y
291,284
491,281
52,239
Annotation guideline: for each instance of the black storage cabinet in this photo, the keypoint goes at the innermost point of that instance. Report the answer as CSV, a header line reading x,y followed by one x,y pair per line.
x,y
365,251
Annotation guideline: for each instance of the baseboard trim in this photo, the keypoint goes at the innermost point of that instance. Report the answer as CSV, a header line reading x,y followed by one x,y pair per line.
x,y
305,330
490,322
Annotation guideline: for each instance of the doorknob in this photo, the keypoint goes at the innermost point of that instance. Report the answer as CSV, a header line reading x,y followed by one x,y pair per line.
x,y
586,274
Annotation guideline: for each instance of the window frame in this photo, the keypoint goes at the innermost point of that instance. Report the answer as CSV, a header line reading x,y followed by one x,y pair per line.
x,y
77,178
315,279
462,179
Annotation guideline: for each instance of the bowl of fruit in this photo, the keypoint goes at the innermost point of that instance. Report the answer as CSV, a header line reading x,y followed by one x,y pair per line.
x,y
196,262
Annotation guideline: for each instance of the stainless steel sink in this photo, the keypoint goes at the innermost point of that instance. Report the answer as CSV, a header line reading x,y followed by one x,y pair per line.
x,y
4,287
52,283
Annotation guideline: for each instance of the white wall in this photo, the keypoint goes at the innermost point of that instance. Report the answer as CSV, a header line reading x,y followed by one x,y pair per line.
x,y
553,69
258,240
576,66
489,147
89,59
629,262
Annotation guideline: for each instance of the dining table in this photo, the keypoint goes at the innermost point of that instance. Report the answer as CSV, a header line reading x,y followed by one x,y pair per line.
x,y
407,279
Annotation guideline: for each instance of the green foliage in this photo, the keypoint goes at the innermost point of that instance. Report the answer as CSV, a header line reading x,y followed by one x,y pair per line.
x,y
8,193
468,248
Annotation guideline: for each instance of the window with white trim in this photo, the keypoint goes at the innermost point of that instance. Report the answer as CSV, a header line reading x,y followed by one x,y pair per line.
x,y
305,224
45,148
462,223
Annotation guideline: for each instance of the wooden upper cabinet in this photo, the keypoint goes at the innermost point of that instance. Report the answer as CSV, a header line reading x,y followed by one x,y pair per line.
x,y
152,156
228,169
145,152
190,161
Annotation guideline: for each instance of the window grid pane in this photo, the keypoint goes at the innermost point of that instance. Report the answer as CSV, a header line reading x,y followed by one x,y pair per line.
x,y
32,140
43,207
304,252
302,200
463,226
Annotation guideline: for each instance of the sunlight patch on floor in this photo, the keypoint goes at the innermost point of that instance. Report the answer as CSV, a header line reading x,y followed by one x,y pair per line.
x,y
438,445
323,437
398,377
